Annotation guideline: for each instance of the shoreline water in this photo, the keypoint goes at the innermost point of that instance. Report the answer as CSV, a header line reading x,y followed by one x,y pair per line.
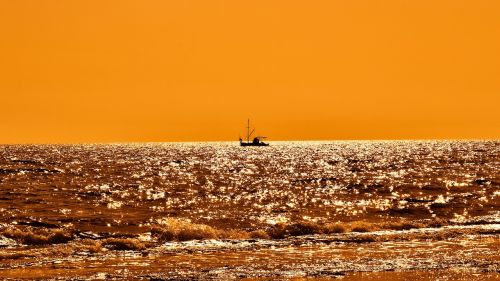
x,y
316,210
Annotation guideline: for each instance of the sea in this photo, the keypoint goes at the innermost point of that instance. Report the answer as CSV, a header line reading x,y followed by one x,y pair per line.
x,y
322,210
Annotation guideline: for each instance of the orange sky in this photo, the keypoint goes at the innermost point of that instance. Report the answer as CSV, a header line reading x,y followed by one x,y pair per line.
x,y
156,70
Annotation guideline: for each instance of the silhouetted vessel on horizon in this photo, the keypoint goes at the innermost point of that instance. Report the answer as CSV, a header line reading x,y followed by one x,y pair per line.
x,y
257,141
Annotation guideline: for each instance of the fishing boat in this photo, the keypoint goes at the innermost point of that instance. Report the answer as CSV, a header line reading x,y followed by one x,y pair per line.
x,y
257,141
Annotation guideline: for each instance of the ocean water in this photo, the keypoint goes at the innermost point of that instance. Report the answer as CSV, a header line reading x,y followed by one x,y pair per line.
x,y
321,210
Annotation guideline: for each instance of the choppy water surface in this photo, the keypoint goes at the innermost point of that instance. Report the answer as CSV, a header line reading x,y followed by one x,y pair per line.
x,y
324,210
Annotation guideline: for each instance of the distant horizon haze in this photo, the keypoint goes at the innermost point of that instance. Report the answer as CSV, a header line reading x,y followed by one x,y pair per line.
x,y
166,71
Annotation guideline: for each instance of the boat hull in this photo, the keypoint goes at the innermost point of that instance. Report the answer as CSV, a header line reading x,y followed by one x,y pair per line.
x,y
253,144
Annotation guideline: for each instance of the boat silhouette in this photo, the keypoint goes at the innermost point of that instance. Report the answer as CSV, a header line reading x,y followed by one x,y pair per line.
x,y
257,141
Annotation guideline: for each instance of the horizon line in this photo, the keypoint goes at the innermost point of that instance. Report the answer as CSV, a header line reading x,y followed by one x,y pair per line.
x,y
236,141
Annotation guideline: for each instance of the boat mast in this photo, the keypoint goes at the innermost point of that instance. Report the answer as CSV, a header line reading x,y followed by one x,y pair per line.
x,y
248,131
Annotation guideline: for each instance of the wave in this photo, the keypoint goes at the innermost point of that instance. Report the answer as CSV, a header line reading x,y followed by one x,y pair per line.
x,y
173,229
178,230
38,236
